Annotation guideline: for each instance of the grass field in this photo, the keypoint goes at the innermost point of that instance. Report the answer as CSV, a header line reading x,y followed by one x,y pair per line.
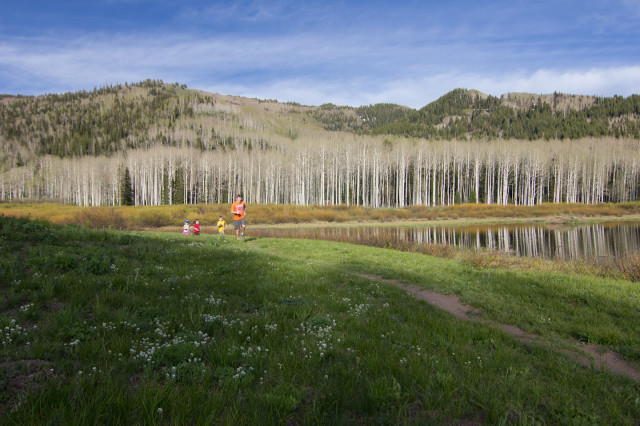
x,y
171,218
102,326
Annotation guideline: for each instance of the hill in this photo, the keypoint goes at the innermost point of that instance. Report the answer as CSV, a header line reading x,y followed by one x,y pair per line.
x,y
131,116
462,114
152,113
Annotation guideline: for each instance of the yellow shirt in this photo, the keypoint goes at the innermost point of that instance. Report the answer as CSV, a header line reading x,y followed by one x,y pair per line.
x,y
221,224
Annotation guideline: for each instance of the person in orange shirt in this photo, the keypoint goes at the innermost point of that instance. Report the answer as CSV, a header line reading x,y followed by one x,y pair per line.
x,y
239,210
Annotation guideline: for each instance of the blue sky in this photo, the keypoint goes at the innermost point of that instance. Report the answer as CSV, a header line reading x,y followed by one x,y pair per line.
x,y
345,52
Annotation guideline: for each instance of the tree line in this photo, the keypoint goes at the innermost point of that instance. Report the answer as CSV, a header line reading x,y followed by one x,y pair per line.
x,y
352,170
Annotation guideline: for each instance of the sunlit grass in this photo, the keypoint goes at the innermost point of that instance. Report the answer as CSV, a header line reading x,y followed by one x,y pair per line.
x,y
624,266
149,217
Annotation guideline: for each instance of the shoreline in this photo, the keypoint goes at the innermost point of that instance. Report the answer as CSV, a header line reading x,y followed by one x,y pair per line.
x,y
167,218
548,221
542,220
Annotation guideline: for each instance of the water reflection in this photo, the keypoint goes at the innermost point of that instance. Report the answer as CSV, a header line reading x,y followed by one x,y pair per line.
x,y
588,241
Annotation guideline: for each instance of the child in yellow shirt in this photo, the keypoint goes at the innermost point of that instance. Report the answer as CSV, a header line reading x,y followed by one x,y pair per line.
x,y
221,224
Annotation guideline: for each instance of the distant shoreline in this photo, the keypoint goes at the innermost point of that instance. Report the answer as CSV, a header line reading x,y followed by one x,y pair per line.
x,y
268,216
547,221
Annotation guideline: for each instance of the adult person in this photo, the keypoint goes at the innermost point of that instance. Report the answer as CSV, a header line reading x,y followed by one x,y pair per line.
x,y
239,209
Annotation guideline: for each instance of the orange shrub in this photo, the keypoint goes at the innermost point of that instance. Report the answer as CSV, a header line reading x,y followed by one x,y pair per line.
x,y
101,217
153,218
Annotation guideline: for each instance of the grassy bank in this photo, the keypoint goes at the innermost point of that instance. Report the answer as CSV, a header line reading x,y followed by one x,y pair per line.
x,y
150,217
101,326
622,266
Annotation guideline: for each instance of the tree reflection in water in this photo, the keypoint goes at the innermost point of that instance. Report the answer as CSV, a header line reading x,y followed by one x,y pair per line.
x,y
553,242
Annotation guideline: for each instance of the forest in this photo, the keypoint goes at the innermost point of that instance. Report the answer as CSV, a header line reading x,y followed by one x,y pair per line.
x,y
467,114
154,143
362,171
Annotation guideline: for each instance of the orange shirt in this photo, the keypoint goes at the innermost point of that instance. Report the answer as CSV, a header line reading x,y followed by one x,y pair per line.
x,y
238,210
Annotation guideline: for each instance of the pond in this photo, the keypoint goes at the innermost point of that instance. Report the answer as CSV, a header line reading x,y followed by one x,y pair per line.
x,y
548,241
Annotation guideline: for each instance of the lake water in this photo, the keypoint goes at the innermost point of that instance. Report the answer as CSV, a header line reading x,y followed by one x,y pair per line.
x,y
548,241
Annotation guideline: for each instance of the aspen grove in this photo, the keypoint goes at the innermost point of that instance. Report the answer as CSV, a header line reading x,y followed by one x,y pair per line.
x,y
341,169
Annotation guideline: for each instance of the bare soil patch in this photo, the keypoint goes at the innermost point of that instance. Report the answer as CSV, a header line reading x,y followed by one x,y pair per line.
x,y
22,377
587,355
57,306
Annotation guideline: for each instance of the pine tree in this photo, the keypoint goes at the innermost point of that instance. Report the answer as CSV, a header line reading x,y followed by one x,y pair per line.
x,y
178,187
126,189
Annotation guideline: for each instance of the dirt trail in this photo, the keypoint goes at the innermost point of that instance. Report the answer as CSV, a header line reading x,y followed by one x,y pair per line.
x,y
595,355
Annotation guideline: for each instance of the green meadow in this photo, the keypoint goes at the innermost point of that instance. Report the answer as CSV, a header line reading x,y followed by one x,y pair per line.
x,y
125,327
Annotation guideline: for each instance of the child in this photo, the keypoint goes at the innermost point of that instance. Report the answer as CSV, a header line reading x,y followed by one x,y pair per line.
x,y
221,225
196,228
185,228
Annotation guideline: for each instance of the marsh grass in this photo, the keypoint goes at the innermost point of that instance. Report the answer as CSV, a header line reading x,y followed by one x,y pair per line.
x,y
149,217
625,266
101,326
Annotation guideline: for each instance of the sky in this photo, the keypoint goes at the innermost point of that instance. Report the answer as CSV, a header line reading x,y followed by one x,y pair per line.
x,y
314,52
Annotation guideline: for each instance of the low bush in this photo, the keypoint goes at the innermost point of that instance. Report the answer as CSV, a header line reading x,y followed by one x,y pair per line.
x,y
101,217
626,266
154,218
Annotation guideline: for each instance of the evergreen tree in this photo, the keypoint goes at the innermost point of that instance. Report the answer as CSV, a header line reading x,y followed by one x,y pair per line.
x,y
126,189
178,187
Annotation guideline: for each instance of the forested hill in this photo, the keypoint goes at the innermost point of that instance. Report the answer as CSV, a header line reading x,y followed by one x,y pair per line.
x,y
119,118
461,114
115,119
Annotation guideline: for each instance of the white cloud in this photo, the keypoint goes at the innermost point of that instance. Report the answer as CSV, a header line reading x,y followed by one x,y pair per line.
x,y
250,11
305,69
417,92
622,80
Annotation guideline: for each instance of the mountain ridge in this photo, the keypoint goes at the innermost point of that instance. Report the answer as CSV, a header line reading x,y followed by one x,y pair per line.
x,y
114,119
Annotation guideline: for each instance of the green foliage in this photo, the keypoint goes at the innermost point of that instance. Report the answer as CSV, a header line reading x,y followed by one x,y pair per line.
x,y
360,119
177,187
126,189
378,115
103,121
461,113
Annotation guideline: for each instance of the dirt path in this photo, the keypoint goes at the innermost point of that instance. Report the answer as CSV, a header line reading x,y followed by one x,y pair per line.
x,y
590,355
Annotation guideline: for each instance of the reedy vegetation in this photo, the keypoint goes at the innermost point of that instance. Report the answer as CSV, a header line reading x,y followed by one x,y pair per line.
x,y
144,328
150,217
180,146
